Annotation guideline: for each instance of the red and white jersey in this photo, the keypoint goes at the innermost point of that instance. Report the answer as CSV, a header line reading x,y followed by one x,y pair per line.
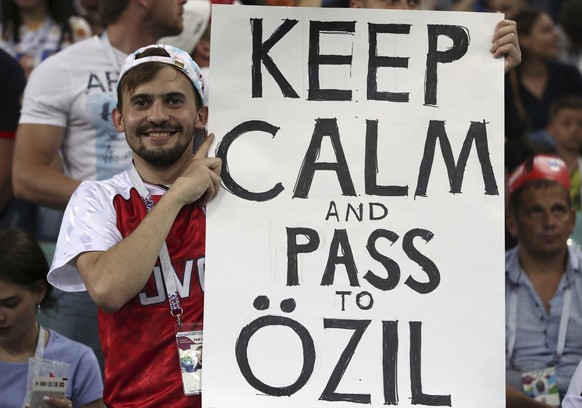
x,y
141,358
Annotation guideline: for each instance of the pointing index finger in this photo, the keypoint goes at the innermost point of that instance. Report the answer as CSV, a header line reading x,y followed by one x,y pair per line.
x,y
202,151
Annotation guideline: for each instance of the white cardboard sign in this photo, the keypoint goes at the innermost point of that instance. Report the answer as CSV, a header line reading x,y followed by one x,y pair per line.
x,y
355,253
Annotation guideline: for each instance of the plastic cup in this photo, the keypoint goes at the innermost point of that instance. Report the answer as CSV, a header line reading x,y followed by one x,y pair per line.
x,y
47,369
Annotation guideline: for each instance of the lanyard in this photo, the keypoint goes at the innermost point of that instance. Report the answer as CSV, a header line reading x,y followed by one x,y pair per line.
x,y
167,268
34,370
39,352
562,330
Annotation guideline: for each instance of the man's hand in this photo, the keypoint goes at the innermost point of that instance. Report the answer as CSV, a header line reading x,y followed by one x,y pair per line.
x,y
506,44
200,180
115,276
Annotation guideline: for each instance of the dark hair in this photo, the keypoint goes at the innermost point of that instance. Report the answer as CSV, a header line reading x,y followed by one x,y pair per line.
x,y
564,102
539,184
59,10
23,263
526,19
570,19
146,72
110,10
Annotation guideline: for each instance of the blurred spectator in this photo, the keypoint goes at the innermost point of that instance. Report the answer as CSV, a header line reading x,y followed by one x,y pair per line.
x,y
509,7
89,9
13,212
552,7
570,20
449,5
35,29
24,290
201,56
12,85
512,7
543,284
565,126
533,85
196,22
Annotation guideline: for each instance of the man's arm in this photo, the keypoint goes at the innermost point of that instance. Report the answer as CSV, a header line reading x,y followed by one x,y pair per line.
x,y
517,399
34,178
6,151
115,276
506,44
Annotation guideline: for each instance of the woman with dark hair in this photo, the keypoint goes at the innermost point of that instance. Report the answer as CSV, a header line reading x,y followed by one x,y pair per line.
x,y
534,84
32,30
23,291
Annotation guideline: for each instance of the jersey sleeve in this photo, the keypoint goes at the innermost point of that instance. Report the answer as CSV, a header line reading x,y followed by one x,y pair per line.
x,y
89,224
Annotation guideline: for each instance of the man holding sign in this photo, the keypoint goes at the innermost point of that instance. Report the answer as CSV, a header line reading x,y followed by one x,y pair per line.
x,y
114,230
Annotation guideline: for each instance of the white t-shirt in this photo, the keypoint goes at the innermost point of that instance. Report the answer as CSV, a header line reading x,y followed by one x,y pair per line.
x,y
76,89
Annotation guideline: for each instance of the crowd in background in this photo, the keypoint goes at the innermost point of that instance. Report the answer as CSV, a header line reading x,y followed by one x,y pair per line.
x,y
543,112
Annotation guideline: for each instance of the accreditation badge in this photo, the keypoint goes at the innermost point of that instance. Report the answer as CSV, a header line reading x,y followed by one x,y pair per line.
x,y
542,386
189,342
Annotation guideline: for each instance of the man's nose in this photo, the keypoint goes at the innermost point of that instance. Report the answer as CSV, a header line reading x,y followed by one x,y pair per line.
x,y
549,218
157,112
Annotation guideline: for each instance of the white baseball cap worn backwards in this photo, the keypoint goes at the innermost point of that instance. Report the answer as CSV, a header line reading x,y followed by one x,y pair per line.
x,y
178,59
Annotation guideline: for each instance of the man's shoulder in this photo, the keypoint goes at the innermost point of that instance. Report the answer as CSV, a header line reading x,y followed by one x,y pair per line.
x,y
86,46
116,185
58,342
512,264
510,255
82,53
575,259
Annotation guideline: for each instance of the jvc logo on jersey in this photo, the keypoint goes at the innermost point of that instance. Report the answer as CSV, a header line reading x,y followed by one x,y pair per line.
x,y
183,285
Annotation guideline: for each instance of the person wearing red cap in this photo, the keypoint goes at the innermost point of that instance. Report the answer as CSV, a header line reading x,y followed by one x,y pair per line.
x,y
543,281
136,241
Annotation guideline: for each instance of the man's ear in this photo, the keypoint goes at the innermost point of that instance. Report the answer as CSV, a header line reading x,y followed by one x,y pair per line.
x,y
357,3
201,118
511,224
117,120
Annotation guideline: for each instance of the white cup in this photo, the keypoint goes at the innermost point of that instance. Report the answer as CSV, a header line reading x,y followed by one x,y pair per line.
x,y
45,377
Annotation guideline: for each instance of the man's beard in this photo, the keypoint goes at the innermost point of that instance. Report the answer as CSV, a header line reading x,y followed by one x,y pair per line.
x,y
161,157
